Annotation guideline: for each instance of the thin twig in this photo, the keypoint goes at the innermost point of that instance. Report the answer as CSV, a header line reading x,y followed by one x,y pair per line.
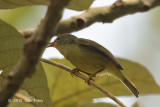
x,y
105,14
33,49
85,78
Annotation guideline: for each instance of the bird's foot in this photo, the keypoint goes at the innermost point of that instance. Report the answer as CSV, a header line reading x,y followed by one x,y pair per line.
x,y
74,71
89,79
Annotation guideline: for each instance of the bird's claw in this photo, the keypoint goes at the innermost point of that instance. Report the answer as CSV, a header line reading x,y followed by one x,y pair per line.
x,y
88,80
74,71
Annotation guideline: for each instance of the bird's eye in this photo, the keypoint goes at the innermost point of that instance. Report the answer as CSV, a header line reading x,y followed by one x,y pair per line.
x,y
58,38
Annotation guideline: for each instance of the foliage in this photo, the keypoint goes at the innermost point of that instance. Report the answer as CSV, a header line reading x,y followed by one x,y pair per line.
x,y
10,51
78,5
55,86
76,90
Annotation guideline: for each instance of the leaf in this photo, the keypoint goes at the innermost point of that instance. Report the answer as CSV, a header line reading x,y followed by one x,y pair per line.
x,y
20,104
78,5
19,3
66,90
37,87
11,46
16,102
10,51
137,74
21,101
16,16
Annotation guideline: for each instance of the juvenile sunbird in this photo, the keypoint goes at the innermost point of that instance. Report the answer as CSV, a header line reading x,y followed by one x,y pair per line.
x,y
91,58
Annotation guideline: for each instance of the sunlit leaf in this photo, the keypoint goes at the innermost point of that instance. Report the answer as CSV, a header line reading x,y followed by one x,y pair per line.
x,y
65,90
10,51
74,4
16,16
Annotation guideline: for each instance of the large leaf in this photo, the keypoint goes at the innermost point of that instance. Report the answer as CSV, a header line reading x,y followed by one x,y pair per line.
x,y
10,51
66,90
16,16
74,4
11,46
19,102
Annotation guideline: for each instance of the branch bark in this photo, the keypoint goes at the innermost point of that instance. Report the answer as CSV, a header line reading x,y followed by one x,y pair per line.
x,y
85,78
105,14
33,49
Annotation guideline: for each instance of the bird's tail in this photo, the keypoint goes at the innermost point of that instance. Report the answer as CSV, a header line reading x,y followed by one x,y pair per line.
x,y
130,86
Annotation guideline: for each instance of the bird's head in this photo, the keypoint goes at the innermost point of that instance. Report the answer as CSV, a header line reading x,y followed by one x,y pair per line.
x,y
62,40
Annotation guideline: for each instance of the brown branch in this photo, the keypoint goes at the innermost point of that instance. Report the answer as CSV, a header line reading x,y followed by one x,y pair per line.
x,y
100,14
85,78
33,49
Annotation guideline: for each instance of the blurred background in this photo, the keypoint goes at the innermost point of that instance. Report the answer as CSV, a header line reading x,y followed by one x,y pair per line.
x,y
135,37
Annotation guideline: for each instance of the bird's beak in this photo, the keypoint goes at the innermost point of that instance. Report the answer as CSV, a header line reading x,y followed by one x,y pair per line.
x,y
53,44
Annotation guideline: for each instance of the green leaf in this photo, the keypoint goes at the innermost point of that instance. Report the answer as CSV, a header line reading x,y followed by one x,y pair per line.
x,y
17,102
66,90
16,16
78,5
21,100
19,3
10,51
37,88
138,74
20,104
11,46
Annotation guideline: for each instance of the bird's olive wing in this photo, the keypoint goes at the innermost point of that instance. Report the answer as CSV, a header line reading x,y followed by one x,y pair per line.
x,y
100,48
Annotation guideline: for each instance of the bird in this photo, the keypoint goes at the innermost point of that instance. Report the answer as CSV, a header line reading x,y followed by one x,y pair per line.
x,y
91,58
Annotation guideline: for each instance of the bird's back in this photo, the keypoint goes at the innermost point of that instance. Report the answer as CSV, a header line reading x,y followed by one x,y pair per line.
x,y
86,58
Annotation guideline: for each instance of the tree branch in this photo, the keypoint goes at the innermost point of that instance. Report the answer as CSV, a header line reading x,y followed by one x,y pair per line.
x,y
33,49
100,14
84,78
